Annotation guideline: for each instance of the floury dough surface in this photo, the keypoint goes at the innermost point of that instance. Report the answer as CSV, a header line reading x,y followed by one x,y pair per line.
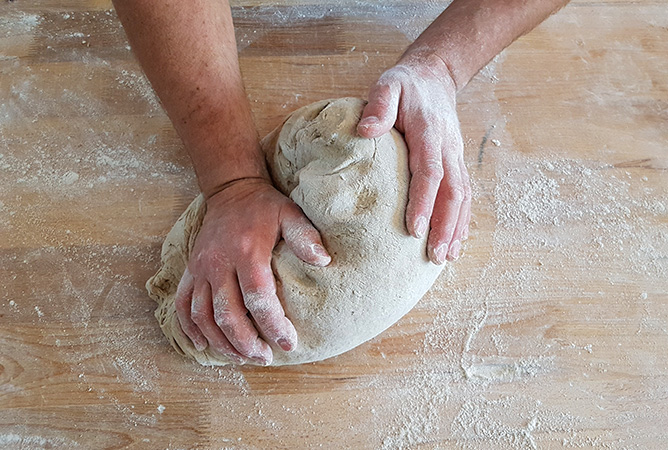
x,y
355,191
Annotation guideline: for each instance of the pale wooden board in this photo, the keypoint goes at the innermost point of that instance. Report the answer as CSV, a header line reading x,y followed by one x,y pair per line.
x,y
550,332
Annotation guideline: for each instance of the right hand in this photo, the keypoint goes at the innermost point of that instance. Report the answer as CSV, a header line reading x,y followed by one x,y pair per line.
x,y
418,97
229,279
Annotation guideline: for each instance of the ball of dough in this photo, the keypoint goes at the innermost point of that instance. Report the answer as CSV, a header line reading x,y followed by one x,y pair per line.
x,y
355,192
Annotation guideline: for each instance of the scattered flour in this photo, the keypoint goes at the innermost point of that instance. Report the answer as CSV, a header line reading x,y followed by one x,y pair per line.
x,y
139,87
409,19
462,385
18,23
17,441
562,211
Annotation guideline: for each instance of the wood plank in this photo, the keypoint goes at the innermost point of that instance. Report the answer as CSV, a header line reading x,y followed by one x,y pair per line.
x,y
550,332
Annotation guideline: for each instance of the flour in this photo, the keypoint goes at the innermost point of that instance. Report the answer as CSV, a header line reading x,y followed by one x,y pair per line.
x,y
18,441
453,390
18,23
614,226
139,88
357,199
474,377
409,19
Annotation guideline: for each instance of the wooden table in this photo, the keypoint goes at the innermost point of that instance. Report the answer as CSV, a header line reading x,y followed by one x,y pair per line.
x,y
551,331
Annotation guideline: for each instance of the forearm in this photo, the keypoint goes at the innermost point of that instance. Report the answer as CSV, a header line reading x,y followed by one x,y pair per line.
x,y
469,33
188,52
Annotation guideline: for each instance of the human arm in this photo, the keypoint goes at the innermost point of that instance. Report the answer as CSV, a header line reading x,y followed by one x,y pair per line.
x,y
418,97
188,52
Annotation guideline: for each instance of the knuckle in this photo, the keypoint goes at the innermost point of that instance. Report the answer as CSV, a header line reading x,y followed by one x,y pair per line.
x,y
256,276
258,302
229,324
435,171
223,319
210,261
228,321
199,315
215,259
398,72
456,192
387,79
382,88
245,347
246,245
254,255
431,172
292,211
221,302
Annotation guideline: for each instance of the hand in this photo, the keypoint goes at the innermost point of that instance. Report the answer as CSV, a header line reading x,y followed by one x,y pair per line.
x,y
229,273
420,103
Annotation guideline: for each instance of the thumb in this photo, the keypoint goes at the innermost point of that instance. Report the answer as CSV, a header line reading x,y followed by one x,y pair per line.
x,y
303,238
380,113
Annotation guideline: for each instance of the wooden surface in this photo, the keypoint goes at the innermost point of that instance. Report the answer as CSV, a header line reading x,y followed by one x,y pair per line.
x,y
550,332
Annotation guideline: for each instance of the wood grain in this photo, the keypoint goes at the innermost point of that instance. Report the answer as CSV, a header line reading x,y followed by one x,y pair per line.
x,y
550,332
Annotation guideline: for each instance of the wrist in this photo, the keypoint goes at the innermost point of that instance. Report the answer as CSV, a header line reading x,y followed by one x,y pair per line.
x,y
224,146
228,169
428,64
234,188
220,159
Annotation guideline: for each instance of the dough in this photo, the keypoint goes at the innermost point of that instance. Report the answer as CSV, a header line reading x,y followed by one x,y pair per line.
x,y
355,192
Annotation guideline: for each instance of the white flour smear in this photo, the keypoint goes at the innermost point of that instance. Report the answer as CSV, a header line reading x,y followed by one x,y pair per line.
x,y
565,213
478,359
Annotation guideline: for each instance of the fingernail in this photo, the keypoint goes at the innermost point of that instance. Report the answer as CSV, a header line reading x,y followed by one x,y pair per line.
x,y
199,346
285,344
454,250
420,226
237,359
369,121
440,253
320,251
261,361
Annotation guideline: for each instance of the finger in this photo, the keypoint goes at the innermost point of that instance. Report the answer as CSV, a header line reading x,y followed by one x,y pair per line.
x,y
380,113
467,195
467,229
302,237
259,293
202,315
229,313
461,230
182,303
445,217
426,165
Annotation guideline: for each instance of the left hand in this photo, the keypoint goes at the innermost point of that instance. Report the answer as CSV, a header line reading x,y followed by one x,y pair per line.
x,y
420,102
226,299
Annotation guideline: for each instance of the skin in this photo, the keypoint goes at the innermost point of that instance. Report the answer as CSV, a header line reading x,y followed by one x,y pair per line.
x,y
227,299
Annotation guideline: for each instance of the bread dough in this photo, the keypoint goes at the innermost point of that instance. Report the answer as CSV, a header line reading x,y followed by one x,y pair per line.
x,y
355,192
